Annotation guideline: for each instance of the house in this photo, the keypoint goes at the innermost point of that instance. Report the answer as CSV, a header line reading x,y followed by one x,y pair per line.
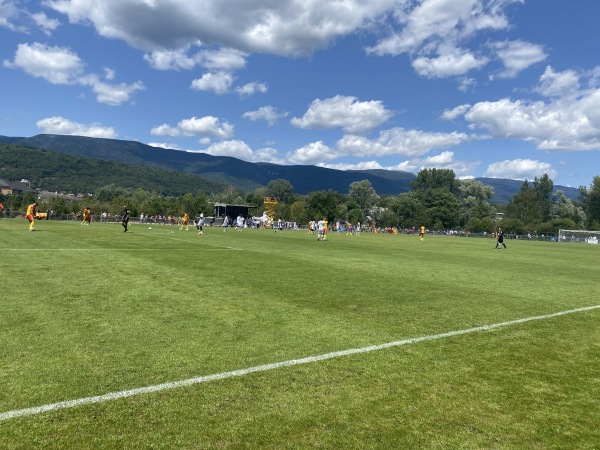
x,y
13,187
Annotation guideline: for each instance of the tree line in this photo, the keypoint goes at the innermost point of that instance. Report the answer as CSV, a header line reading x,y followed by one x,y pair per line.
x,y
437,200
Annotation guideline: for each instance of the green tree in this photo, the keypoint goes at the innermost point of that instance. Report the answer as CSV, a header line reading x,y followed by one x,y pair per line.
x,y
564,208
365,197
590,201
524,206
435,179
322,204
475,197
282,190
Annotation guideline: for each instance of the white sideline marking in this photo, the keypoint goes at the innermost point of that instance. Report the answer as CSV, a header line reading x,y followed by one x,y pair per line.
x,y
292,362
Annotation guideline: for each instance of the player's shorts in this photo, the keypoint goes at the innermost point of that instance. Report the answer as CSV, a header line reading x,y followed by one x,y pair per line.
x,y
30,218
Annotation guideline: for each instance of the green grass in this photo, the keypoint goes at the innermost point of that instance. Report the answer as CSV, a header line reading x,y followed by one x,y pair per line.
x,y
85,311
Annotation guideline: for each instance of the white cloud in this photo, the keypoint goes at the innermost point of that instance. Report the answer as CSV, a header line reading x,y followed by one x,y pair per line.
x,y
165,145
518,56
9,13
445,160
558,84
568,121
454,113
520,169
59,65
45,23
312,153
279,27
227,59
224,59
268,113
203,126
241,150
251,89
434,33
392,142
448,63
115,94
218,82
171,59
56,65
60,125
344,112
398,142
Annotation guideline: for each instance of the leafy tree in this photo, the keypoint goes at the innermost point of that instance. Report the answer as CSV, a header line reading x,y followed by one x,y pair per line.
x,y
282,190
525,207
564,208
322,204
513,226
365,197
590,201
298,213
435,179
543,188
475,199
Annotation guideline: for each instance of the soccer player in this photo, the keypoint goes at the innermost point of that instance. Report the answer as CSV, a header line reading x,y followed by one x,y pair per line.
x,y
500,240
358,228
184,221
422,232
225,222
320,228
87,216
125,219
1,210
200,223
31,213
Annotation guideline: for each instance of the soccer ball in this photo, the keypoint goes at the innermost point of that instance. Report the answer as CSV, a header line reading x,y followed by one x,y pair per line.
x,y
149,228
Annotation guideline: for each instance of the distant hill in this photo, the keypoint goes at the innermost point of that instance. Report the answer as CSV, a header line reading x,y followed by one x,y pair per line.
x,y
244,175
61,172
222,169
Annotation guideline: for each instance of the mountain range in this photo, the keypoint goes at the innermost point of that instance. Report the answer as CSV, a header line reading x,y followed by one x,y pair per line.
x,y
242,174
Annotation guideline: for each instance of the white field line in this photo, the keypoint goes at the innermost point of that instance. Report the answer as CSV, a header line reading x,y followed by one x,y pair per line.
x,y
292,362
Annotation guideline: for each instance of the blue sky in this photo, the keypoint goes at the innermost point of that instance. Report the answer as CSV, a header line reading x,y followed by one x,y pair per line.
x,y
496,88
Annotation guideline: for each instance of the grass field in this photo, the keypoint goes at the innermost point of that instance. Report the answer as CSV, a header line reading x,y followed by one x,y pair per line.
x,y
90,311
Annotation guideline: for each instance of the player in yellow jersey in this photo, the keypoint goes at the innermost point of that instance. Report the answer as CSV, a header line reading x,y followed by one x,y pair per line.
x,y
31,213
422,232
184,221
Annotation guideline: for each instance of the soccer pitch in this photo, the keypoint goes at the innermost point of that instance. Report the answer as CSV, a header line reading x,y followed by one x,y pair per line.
x,y
160,338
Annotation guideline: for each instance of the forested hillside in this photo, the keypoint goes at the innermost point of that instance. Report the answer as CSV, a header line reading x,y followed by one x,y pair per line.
x,y
59,172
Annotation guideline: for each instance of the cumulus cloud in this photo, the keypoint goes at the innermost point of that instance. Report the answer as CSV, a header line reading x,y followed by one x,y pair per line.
x,y
45,23
444,160
270,114
241,150
344,112
224,59
9,13
283,28
196,126
448,63
312,153
218,82
520,169
60,125
392,142
517,56
251,89
165,145
398,142
435,33
569,120
59,65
